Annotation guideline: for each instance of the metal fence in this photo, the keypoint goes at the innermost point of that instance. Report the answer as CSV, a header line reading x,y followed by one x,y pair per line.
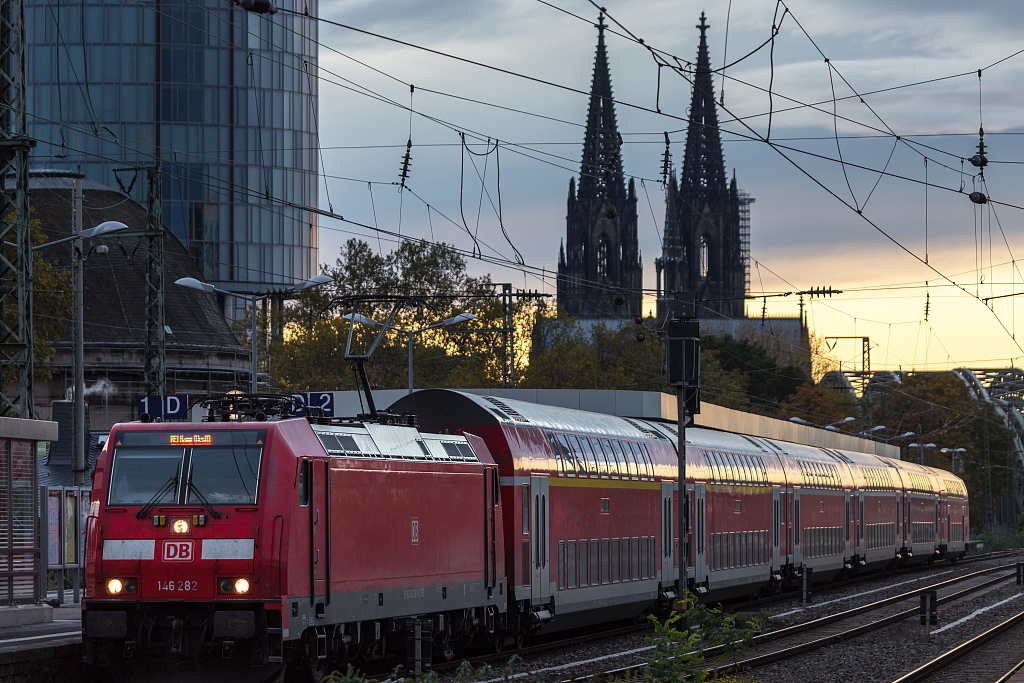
x,y
19,554
65,518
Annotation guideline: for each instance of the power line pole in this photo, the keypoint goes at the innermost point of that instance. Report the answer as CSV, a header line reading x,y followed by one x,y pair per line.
x,y
154,370
16,339
683,364
508,330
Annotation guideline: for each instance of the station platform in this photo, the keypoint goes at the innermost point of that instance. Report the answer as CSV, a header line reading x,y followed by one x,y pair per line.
x,y
37,649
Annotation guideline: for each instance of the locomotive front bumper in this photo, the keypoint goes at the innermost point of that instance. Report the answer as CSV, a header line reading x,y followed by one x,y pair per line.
x,y
240,633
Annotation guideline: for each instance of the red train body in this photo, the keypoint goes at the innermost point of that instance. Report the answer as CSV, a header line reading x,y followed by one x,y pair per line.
x,y
249,545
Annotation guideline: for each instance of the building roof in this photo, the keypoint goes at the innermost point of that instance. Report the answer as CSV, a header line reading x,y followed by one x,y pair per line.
x,y
115,282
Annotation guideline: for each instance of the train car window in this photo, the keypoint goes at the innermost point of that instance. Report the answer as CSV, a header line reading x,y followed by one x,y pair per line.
x,y
139,474
620,461
588,450
734,469
224,475
644,562
584,564
304,483
571,564
636,470
633,453
615,560
748,472
606,561
645,456
595,562
635,569
561,565
526,510
557,453
571,466
608,460
722,474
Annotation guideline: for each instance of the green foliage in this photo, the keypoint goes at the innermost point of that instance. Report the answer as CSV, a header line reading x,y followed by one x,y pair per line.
x,y
768,381
464,674
464,355
52,305
679,652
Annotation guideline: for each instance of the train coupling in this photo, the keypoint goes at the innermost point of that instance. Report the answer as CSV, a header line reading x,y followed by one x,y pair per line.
x,y
776,576
669,595
848,565
541,615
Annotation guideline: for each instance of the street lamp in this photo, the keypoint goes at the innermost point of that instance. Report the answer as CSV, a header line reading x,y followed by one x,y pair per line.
x,y
79,256
193,283
952,456
455,320
920,450
830,427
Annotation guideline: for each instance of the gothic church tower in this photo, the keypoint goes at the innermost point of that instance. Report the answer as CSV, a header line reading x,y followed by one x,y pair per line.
x,y
703,250
600,260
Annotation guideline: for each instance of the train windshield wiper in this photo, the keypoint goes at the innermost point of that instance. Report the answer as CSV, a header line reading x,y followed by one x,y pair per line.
x,y
202,499
169,485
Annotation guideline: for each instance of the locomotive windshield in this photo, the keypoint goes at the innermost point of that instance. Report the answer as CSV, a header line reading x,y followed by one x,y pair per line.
x,y
221,467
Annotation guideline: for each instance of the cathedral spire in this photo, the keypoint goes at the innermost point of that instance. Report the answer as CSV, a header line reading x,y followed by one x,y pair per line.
x,y
601,169
702,176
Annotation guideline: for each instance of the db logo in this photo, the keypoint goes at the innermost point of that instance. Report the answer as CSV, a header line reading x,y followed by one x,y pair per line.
x,y
177,551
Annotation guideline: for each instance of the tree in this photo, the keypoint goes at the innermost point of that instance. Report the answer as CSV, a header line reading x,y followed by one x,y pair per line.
x,y
768,381
434,276
939,409
819,405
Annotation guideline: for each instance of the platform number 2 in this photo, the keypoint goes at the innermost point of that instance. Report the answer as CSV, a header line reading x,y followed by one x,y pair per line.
x,y
415,531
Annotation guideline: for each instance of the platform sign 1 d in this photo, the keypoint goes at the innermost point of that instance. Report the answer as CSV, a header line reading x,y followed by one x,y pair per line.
x,y
168,407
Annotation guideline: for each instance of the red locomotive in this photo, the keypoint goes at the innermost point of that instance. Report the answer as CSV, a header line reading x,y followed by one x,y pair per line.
x,y
249,544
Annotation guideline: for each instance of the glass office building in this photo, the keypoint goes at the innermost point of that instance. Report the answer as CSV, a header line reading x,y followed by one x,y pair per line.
x,y
223,99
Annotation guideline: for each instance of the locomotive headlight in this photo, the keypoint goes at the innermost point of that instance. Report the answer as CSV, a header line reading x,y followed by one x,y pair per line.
x,y
122,586
180,526
235,586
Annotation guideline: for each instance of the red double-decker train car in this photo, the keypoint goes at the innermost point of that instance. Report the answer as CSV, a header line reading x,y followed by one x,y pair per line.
x,y
257,546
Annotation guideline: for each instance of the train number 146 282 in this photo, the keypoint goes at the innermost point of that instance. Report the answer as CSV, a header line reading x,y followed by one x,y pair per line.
x,y
177,585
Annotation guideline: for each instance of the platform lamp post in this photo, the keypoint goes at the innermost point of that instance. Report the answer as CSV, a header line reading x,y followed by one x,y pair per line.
x,y
830,427
683,361
953,452
79,255
193,283
920,450
460,318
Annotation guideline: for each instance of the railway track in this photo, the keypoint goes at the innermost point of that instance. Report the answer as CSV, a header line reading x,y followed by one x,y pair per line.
x,y
818,590
498,659
983,659
770,647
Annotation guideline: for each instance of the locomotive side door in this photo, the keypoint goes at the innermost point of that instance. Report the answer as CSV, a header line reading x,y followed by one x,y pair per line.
x,y
540,584
315,482
668,527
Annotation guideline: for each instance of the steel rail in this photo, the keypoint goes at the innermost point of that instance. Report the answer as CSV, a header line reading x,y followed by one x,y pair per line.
x,y
942,661
787,653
